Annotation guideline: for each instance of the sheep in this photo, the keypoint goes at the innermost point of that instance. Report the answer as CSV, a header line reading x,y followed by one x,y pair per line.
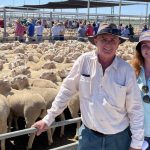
x,y
48,94
16,63
58,59
48,56
68,60
42,83
31,57
4,113
21,70
1,65
49,65
49,75
19,50
23,82
74,107
62,73
23,104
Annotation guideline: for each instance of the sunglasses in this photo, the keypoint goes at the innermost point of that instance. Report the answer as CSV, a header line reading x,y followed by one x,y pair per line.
x,y
145,90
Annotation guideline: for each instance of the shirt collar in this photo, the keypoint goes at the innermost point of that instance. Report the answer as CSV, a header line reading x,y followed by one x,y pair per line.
x,y
114,63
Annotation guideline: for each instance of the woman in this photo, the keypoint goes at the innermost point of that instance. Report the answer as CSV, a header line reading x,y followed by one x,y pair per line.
x,y
141,64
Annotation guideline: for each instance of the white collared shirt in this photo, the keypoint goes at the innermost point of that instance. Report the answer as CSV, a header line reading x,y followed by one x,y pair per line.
x,y
109,102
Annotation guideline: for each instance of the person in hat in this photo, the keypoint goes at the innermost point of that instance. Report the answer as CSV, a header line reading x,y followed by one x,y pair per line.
x,y
39,28
30,30
110,99
19,31
141,65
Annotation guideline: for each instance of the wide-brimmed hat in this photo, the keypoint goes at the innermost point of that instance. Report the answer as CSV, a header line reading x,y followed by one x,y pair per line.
x,y
107,28
29,20
145,36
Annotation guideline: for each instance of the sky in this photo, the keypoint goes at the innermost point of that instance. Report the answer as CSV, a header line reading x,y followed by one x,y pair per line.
x,y
126,10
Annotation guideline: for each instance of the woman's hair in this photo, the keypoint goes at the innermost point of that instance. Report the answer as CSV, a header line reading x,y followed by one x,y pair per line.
x,y
137,62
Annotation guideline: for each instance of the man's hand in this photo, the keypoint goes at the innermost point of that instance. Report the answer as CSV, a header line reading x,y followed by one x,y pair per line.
x,y
134,149
41,126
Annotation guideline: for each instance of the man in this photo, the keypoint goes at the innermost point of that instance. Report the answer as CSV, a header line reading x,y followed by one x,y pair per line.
x,y
30,30
39,31
110,99
81,33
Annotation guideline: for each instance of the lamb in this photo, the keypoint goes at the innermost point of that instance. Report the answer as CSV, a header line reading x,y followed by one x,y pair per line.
x,y
23,82
4,113
49,65
21,70
74,107
23,104
16,63
58,59
48,94
42,83
62,73
49,75
1,65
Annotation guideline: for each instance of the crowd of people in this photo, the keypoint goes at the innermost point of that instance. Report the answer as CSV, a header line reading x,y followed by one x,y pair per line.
x,y
34,28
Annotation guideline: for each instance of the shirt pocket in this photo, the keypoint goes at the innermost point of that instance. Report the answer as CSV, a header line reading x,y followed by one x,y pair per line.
x,y
114,112
85,87
117,95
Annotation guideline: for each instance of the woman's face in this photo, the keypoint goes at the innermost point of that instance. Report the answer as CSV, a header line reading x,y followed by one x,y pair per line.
x,y
145,50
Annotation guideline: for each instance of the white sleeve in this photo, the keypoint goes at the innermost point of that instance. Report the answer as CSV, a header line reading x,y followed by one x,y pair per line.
x,y
68,88
135,112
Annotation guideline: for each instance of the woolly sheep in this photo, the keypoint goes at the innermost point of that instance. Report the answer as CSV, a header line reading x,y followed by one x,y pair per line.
x,y
1,65
58,59
42,83
21,70
48,94
16,63
4,113
22,81
49,65
49,75
74,107
62,73
23,104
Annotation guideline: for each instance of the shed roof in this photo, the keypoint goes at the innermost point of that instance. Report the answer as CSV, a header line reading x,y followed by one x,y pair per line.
x,y
76,4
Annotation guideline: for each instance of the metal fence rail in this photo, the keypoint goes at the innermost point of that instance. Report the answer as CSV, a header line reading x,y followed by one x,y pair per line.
x,y
32,129
72,146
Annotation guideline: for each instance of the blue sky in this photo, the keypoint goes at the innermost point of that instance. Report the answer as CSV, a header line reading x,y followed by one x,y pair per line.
x,y
127,10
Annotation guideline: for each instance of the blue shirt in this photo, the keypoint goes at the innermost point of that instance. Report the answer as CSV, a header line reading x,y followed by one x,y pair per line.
x,y
31,30
141,80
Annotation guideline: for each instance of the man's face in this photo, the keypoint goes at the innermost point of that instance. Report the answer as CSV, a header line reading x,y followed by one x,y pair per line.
x,y
107,45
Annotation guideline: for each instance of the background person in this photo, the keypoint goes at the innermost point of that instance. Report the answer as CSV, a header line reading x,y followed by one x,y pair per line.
x,y
81,33
39,31
20,30
30,30
110,99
